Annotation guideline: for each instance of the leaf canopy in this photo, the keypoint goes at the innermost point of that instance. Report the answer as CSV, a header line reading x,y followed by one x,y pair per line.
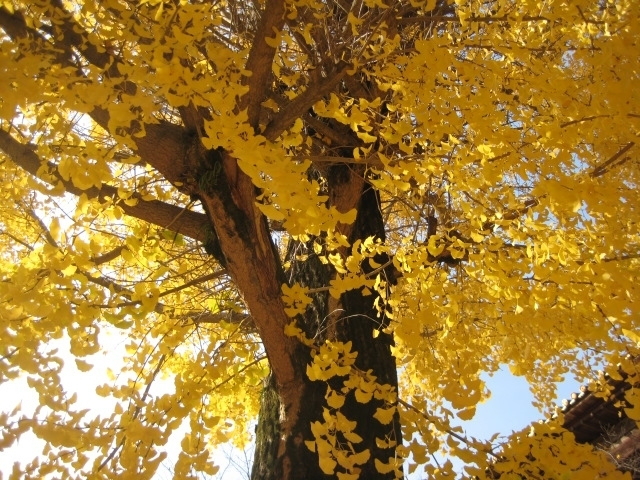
x,y
502,137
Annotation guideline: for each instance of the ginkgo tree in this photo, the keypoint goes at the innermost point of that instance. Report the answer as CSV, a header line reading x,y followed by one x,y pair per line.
x,y
331,215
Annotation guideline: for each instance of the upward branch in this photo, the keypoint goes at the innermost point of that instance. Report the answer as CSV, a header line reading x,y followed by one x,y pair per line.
x,y
261,58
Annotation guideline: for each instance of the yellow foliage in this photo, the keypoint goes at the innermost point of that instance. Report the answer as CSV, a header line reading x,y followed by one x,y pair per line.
x,y
500,137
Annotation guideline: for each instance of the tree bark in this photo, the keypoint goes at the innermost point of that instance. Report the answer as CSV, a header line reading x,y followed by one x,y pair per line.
x,y
282,454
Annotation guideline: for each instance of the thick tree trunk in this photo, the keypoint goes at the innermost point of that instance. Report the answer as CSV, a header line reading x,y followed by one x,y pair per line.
x,y
278,458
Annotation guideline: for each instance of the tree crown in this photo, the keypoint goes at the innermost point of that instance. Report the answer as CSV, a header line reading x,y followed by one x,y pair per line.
x,y
499,136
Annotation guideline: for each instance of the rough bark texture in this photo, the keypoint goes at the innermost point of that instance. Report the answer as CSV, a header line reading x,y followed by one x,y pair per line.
x,y
252,260
360,318
356,323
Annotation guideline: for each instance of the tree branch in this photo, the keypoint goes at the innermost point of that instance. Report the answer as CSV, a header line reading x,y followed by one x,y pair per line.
x,y
74,38
303,102
17,240
254,264
45,230
582,120
442,428
604,167
228,316
160,308
339,138
622,257
108,256
195,281
13,24
474,18
185,222
261,58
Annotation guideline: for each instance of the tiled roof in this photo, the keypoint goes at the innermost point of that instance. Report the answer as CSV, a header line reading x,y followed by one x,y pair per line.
x,y
588,414
599,419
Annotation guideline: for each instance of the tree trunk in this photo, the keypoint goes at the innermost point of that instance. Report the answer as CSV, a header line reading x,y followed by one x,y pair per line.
x,y
278,458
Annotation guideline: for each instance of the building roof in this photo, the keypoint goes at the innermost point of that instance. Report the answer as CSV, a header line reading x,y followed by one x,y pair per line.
x,y
598,418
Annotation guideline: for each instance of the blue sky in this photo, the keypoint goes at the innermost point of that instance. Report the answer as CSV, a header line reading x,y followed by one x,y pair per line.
x,y
509,408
